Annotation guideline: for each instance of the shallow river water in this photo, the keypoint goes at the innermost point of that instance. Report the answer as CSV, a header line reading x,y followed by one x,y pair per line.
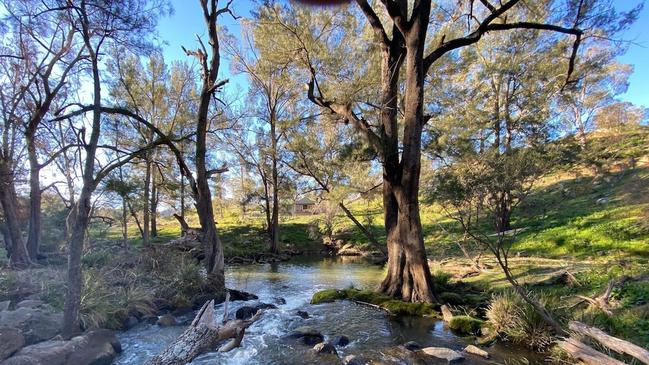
x,y
372,333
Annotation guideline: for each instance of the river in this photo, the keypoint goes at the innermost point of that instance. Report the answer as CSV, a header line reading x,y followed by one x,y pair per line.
x,y
373,334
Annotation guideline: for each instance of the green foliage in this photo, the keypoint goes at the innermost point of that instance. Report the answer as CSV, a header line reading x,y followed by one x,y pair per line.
x,y
466,325
451,298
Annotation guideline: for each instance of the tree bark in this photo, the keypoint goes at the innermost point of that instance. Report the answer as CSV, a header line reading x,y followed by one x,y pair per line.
x,y
613,343
146,217
19,257
586,354
274,244
35,198
154,205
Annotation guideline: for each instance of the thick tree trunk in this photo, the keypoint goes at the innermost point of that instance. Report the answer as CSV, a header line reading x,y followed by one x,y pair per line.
x,y
19,257
408,274
35,230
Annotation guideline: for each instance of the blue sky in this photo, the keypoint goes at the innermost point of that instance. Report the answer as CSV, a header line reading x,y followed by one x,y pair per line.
x,y
181,27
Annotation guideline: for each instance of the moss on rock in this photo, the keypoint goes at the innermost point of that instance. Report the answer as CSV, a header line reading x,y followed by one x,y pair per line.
x,y
394,306
465,325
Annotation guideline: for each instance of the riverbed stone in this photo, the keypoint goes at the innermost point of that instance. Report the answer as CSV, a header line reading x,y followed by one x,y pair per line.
x,y
167,321
302,314
325,348
36,324
30,303
340,341
307,335
355,360
443,353
11,340
412,346
130,322
4,305
280,301
474,350
96,347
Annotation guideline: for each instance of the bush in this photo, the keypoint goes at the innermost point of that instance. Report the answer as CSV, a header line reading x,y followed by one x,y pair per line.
x,y
466,325
451,298
517,321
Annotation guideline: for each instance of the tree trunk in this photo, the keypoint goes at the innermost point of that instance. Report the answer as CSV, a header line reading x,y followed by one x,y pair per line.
x,y
613,343
408,275
154,205
124,222
35,226
586,354
274,244
362,228
19,257
146,217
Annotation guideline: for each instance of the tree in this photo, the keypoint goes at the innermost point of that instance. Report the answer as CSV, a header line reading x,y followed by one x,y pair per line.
x,y
210,63
408,45
99,23
617,117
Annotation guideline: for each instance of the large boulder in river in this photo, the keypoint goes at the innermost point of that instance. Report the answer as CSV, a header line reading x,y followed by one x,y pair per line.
x,y
36,324
11,340
97,347
451,356
325,348
307,335
246,312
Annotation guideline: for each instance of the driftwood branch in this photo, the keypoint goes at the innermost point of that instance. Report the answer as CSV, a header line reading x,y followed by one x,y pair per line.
x,y
586,354
613,343
203,335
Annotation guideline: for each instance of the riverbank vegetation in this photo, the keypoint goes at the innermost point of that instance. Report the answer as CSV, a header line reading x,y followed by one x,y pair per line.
x,y
479,152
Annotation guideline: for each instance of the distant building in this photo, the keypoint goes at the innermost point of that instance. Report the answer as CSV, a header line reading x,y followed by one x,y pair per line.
x,y
304,205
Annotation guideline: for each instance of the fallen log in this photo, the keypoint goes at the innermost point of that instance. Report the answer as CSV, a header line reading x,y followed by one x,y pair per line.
x,y
586,354
613,343
203,334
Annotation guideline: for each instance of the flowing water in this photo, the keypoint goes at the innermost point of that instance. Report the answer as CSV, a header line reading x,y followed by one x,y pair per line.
x,y
373,334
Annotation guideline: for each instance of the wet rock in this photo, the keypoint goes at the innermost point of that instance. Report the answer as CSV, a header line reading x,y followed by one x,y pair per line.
x,y
307,335
325,348
303,314
280,301
130,322
97,347
11,340
355,360
36,324
265,306
241,295
167,321
150,319
30,303
476,351
4,305
446,314
443,353
245,312
412,346
340,341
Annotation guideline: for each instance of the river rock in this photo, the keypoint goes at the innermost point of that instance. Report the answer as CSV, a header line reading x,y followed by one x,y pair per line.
x,y
449,355
5,305
246,312
11,340
307,335
340,341
167,321
280,301
355,360
325,348
302,314
412,346
30,303
446,313
36,324
602,201
97,347
241,295
476,351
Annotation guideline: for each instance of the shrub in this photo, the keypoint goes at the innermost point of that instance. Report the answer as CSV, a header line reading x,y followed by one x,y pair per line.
x,y
466,325
451,298
519,322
